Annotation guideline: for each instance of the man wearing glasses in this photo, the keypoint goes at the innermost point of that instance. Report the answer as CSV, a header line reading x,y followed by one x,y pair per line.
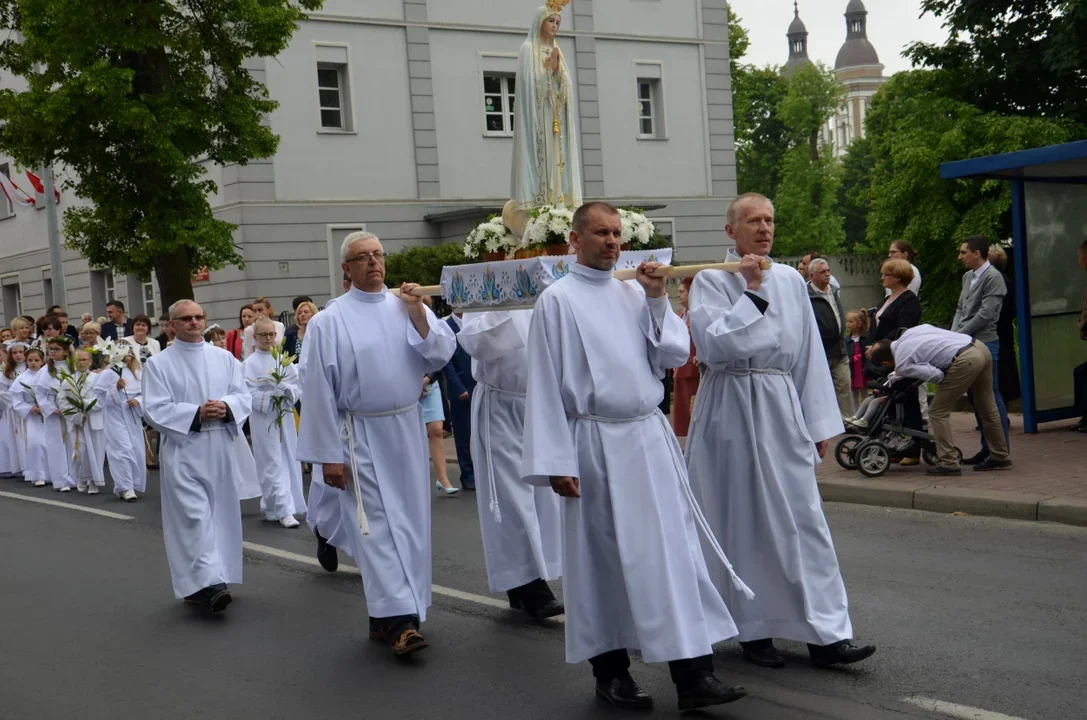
x,y
363,358
195,395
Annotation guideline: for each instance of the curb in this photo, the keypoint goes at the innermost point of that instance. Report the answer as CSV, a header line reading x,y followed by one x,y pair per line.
x,y
920,495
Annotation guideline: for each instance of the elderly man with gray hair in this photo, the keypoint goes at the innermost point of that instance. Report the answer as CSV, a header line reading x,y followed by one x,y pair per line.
x,y
826,301
364,359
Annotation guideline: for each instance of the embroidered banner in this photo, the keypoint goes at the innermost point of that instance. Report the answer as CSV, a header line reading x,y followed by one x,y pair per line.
x,y
512,283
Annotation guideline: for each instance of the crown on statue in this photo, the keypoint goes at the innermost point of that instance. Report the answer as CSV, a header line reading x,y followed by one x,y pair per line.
x,y
557,5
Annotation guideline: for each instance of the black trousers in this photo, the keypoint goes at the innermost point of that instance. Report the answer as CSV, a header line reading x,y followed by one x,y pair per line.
x,y
460,413
616,663
533,595
1079,382
395,625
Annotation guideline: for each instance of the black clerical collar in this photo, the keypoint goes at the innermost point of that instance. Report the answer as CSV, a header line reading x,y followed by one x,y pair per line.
x,y
367,297
590,275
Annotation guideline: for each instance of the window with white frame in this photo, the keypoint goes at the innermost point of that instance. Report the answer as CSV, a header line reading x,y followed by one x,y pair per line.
x,y
499,95
7,209
111,289
13,300
650,101
149,298
330,91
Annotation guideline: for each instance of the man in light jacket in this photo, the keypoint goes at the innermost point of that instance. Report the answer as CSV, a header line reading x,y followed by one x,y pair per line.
x,y
982,296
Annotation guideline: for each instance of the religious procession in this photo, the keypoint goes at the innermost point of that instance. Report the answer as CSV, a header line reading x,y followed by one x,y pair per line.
x,y
644,438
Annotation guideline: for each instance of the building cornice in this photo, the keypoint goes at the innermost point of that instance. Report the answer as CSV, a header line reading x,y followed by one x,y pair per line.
x,y
518,31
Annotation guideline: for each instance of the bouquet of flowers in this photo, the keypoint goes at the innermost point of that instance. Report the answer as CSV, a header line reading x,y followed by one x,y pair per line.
x,y
491,236
637,228
74,386
549,225
34,397
283,406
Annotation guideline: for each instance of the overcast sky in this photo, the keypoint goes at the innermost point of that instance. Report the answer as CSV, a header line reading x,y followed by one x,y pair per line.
x,y
892,24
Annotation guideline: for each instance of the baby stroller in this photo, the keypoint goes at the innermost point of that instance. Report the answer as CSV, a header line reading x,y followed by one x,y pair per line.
x,y
886,436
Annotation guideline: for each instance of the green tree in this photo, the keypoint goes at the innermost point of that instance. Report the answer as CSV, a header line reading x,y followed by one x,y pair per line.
x,y
853,201
814,94
913,127
806,213
1014,57
738,42
761,135
130,95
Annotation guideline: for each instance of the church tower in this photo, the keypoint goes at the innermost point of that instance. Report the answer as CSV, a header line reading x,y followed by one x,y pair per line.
x,y
798,42
859,69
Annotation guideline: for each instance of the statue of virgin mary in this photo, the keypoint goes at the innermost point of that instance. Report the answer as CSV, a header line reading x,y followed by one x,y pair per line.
x,y
545,152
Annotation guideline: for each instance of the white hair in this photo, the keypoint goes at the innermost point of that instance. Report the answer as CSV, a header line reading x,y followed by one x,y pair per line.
x,y
816,264
179,303
354,238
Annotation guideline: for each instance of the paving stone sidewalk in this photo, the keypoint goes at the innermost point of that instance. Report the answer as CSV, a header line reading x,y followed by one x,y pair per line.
x,y
1047,481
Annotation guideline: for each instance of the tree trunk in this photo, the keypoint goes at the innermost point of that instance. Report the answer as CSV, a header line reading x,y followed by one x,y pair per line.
x,y
175,277
813,145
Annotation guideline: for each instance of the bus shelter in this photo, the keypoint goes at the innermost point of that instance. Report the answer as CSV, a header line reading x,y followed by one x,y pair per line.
x,y
1049,222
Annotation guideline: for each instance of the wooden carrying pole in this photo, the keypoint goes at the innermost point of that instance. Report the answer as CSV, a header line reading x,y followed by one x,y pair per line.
x,y
665,271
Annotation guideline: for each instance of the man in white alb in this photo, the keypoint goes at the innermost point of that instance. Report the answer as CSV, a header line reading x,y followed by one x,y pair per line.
x,y
194,394
764,412
634,574
520,524
364,357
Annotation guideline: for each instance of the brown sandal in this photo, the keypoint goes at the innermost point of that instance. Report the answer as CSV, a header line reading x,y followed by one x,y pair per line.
x,y
410,641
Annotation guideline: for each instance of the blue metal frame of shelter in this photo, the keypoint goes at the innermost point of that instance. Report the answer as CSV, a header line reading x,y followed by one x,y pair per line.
x,y
1019,168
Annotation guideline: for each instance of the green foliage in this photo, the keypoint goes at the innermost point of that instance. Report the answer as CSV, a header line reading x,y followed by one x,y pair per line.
x,y
129,96
853,194
761,134
422,264
1013,57
806,216
913,127
738,42
813,95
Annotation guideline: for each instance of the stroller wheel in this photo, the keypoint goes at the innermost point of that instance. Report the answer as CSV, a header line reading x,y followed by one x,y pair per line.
x,y
873,459
843,452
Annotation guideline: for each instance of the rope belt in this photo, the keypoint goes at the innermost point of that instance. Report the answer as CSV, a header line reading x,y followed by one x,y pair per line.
x,y
489,391
347,432
681,472
741,372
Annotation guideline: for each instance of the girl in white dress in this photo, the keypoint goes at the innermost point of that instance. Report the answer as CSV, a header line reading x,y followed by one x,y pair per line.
x,y
27,401
120,396
86,426
12,430
50,391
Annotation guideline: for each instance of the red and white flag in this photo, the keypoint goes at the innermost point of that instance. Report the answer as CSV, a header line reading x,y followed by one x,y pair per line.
x,y
13,193
39,186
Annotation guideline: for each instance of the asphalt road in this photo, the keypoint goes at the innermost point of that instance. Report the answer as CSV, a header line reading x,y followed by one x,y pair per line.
x,y
983,614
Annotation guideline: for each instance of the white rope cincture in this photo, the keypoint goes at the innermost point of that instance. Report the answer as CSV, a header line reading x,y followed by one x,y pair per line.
x,y
347,432
681,471
490,390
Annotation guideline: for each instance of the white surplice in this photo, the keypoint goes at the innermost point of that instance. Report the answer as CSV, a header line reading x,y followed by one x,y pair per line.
x,y
275,442
12,426
634,573
86,432
201,513
766,398
46,457
124,429
364,364
520,524
63,469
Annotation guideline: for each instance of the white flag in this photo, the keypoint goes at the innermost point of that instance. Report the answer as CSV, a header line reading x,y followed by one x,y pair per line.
x,y
13,193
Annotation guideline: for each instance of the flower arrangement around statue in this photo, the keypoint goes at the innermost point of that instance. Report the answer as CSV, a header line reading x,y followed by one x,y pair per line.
x,y
549,231
491,241
637,228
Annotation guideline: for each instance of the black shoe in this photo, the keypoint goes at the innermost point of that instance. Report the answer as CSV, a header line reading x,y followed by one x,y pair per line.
x,y
471,487
839,653
326,554
980,457
548,610
1080,426
220,598
706,691
941,471
623,692
991,463
763,653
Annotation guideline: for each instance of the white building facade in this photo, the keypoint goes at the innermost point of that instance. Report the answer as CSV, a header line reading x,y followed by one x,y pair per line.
x,y
395,116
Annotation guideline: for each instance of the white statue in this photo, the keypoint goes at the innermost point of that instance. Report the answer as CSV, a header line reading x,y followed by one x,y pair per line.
x,y
546,162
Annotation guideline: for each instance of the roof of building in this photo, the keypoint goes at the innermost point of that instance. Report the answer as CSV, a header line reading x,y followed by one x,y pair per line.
x,y
855,6
856,50
797,27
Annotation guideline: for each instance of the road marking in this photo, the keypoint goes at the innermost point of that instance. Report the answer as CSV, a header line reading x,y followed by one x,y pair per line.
x,y
962,712
67,506
436,589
